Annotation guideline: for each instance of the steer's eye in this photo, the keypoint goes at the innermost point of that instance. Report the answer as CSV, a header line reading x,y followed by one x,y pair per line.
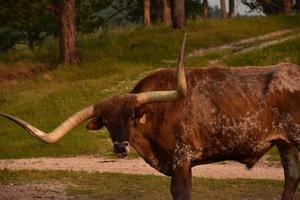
x,y
95,124
132,118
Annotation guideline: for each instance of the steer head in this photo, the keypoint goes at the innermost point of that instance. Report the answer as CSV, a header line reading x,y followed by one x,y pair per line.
x,y
114,113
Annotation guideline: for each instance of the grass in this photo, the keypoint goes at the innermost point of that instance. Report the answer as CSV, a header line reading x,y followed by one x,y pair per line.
x,y
82,185
36,89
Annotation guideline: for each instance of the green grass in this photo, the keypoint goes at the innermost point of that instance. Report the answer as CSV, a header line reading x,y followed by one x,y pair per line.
x,y
273,155
44,93
82,185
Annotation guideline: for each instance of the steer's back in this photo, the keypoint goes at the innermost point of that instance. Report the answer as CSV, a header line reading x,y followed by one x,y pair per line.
x,y
230,113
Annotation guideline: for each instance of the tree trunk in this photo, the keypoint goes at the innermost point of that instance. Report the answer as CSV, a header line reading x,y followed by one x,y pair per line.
x,y
298,6
167,13
147,16
223,9
31,45
30,41
158,10
205,9
67,32
286,6
231,8
179,14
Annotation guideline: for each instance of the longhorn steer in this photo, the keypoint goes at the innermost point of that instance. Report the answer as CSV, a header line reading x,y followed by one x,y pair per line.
x,y
215,114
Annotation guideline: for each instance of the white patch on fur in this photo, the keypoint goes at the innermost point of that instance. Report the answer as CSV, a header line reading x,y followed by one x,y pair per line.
x,y
286,79
185,152
143,120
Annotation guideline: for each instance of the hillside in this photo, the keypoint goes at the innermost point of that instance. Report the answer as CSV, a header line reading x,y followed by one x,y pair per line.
x,y
36,89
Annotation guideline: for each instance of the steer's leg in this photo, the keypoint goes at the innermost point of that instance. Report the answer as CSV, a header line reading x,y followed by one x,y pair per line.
x,y
181,182
291,164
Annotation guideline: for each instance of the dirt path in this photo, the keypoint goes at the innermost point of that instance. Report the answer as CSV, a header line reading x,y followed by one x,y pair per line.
x,y
137,166
252,43
245,45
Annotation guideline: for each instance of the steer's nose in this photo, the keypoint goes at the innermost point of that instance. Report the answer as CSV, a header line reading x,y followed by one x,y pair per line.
x,y
121,148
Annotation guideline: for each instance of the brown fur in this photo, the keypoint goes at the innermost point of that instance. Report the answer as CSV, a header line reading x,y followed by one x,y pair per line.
x,y
228,114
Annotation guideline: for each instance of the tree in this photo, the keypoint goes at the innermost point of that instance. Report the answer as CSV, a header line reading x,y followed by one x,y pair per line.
x,y
167,13
147,16
65,11
223,9
24,22
179,14
91,15
67,32
297,6
30,22
8,39
231,8
269,7
205,9
215,12
158,10
193,9
286,6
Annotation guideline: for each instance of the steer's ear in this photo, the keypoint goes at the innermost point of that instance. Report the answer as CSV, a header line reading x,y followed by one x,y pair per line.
x,y
95,124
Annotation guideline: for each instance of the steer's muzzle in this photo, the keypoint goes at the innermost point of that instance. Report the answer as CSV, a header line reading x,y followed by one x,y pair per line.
x,y
122,149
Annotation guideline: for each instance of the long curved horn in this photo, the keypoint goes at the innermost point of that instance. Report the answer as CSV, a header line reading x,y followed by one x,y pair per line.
x,y
173,95
60,131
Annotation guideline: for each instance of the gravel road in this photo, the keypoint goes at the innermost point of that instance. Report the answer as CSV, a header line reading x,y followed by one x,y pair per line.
x,y
263,170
